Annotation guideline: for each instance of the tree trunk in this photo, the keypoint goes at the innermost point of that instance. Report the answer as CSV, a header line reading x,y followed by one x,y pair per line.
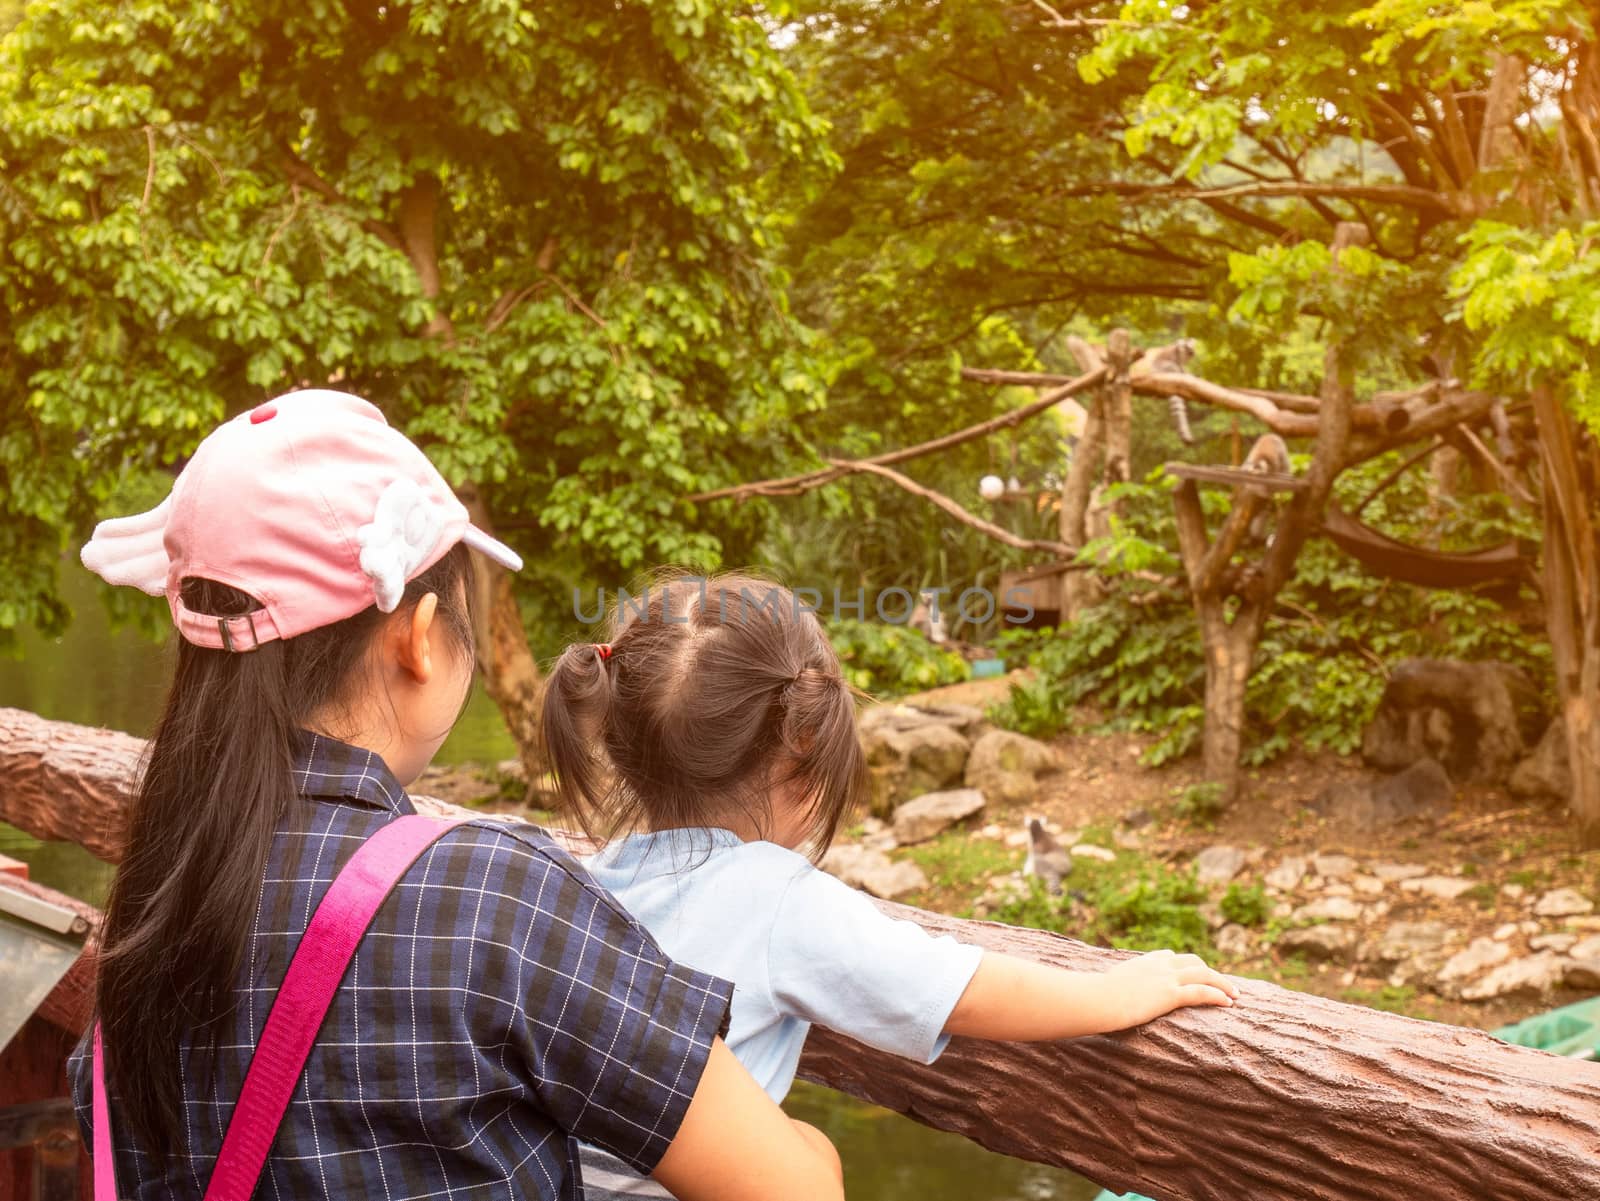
x,y
513,681
1286,1097
1230,652
1571,574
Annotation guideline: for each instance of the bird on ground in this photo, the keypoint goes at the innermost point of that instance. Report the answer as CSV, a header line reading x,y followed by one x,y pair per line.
x,y
1047,858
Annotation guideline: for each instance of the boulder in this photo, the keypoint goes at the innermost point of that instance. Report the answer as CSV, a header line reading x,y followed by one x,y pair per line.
x,y
1474,959
1005,767
873,872
965,720
933,813
907,763
1531,976
1581,973
1552,942
1367,886
1370,804
1330,909
1403,940
1318,942
1391,873
1218,864
1468,716
1563,902
1441,888
1287,875
1545,774
1334,867
1589,948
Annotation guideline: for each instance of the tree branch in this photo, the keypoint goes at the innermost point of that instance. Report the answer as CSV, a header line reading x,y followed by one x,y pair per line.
x,y
1419,198
794,484
939,500
301,173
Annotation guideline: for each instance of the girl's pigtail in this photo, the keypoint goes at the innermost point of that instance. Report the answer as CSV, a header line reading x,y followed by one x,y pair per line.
x,y
819,731
577,703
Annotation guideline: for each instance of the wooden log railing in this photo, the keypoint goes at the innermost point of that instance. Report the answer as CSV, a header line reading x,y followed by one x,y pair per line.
x,y
1286,1097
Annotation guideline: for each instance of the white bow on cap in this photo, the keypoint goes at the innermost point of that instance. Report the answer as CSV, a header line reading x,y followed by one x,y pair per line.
x,y
132,550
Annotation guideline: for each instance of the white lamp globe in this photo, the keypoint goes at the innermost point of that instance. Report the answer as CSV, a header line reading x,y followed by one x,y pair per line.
x,y
991,487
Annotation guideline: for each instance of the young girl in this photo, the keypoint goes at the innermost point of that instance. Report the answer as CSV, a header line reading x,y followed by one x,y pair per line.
x,y
716,735
500,1005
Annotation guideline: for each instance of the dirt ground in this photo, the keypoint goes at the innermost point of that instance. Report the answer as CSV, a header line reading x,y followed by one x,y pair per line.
x,y
1488,836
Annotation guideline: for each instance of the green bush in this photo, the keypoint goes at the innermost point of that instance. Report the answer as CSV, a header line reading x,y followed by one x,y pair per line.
x,y
1322,662
890,660
1147,908
1248,906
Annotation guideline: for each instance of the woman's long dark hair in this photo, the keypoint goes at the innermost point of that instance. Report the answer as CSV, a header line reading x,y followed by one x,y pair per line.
x,y
216,783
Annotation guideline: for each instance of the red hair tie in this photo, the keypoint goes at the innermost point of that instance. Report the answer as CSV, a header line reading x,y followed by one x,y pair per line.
x,y
603,649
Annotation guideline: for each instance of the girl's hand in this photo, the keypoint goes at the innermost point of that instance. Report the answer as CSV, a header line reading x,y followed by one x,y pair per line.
x,y
1161,981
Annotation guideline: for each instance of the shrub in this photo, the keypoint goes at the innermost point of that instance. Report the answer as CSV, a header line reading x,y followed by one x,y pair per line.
x,y
890,660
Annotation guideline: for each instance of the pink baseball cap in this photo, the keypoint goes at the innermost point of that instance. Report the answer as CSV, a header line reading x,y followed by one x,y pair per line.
x,y
311,503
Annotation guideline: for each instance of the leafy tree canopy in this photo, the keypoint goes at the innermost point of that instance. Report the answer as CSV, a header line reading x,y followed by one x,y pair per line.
x,y
539,235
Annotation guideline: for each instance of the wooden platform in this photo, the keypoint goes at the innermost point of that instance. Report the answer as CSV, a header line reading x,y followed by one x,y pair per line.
x,y
1236,477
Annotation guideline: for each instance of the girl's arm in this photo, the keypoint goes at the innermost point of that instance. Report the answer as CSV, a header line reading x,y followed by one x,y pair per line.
x,y
1017,1000
735,1144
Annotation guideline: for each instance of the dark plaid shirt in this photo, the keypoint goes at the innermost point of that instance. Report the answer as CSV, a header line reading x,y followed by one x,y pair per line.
x,y
500,1006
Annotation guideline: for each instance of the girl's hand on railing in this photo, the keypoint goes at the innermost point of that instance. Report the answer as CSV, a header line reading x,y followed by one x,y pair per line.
x,y
1161,981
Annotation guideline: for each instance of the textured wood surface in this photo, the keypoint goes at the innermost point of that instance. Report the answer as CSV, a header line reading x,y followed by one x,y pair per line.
x,y
1286,1097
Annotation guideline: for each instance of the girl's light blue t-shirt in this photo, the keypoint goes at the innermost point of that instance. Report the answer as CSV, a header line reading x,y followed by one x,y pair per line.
x,y
798,946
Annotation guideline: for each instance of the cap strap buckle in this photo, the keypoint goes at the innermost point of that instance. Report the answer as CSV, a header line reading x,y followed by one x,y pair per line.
x,y
223,627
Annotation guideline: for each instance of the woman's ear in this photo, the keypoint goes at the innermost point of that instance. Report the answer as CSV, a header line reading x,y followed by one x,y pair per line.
x,y
416,634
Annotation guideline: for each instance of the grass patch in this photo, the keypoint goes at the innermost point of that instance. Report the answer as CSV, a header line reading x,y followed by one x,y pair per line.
x,y
1132,903
1482,895
1529,878
959,865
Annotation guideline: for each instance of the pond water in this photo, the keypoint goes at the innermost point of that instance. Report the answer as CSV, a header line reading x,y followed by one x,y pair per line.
x,y
97,676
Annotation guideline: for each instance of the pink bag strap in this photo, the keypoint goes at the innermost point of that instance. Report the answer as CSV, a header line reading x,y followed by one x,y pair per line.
x,y
314,975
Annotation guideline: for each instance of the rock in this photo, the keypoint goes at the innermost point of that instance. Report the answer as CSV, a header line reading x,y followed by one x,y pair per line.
x,y
1136,818
1287,875
1392,873
1234,942
1505,932
1369,886
1546,772
992,830
965,720
1464,715
1403,940
1338,890
907,763
1087,850
1007,890
1333,867
1552,942
1589,948
933,813
1533,975
1423,786
1372,804
1211,912
1329,909
1583,923
873,871
1005,767
1512,892
1318,942
1218,864
1531,928
1581,973
1444,888
1563,902
1475,958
